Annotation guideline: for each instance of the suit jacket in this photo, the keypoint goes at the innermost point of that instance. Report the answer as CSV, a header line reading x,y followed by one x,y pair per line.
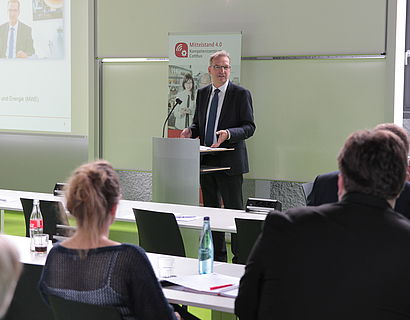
x,y
24,41
325,191
237,116
345,260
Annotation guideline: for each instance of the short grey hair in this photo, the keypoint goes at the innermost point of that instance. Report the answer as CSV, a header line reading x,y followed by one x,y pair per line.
x,y
14,1
221,53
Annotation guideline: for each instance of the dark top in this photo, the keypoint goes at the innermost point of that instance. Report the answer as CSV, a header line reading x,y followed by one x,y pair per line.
x,y
345,260
236,116
24,40
119,276
325,191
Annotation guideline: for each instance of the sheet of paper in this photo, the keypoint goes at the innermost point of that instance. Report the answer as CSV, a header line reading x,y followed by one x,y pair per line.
x,y
5,199
212,283
207,149
186,217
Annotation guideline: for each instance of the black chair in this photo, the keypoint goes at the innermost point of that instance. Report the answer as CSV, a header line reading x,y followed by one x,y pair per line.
x,y
67,310
59,189
158,232
247,231
55,222
27,302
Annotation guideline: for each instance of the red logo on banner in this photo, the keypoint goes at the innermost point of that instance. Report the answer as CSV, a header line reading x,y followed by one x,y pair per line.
x,y
181,50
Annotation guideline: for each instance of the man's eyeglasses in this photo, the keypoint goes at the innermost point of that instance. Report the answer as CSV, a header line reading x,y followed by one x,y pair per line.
x,y
221,67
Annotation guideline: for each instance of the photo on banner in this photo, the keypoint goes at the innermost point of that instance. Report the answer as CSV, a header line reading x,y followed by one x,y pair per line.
x,y
188,71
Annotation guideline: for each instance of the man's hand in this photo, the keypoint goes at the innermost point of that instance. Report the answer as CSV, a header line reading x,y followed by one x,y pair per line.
x,y
21,54
222,136
186,133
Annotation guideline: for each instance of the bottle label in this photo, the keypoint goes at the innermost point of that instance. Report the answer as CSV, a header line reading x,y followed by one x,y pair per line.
x,y
35,224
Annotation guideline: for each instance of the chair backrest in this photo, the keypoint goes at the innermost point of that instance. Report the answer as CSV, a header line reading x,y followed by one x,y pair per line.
x,y
53,214
27,302
247,231
158,232
59,189
67,310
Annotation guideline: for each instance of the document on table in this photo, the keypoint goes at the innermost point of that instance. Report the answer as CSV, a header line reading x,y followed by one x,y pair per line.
x,y
212,283
186,217
5,199
209,149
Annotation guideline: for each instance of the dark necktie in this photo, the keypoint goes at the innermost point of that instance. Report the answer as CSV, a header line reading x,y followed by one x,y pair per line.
x,y
11,43
210,128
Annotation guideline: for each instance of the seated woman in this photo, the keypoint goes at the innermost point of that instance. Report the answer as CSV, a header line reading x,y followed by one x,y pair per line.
x,y
91,268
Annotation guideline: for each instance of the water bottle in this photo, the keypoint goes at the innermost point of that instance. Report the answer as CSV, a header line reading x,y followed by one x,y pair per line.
x,y
36,223
206,249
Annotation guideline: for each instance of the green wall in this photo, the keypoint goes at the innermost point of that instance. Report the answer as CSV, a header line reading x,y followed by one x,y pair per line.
x,y
304,109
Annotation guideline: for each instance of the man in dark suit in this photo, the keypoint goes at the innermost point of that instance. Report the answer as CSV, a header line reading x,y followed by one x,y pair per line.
x,y
16,40
223,118
325,185
344,260
325,191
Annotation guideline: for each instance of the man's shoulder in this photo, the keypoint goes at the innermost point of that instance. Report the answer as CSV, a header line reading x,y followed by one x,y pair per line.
x,y
305,214
206,88
4,26
24,26
235,87
328,177
300,215
406,188
403,201
324,189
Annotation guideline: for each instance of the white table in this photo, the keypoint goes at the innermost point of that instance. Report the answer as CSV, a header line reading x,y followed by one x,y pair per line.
x,y
221,219
183,266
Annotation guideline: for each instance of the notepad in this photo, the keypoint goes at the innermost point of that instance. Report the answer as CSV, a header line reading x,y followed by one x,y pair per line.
x,y
212,283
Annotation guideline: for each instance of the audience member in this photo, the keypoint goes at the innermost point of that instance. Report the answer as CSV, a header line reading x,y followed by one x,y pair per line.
x,y
10,269
325,185
344,260
91,268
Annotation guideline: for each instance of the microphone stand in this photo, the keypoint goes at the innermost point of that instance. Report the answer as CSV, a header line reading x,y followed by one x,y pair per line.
x,y
177,102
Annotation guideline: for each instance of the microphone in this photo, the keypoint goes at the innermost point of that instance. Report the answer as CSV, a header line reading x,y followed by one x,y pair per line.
x,y
177,102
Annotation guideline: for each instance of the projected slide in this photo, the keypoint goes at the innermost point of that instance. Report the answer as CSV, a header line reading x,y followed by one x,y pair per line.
x,y
35,64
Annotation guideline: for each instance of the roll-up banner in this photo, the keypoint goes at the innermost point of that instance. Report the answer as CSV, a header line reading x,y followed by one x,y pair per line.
x,y
188,70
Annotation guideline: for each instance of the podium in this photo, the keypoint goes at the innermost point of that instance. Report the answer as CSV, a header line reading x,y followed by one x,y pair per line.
x,y
175,171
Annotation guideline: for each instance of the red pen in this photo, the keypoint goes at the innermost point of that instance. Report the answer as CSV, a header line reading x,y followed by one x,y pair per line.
x,y
220,287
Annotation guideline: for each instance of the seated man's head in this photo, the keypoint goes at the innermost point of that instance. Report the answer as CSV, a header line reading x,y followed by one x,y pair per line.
x,y
398,131
374,163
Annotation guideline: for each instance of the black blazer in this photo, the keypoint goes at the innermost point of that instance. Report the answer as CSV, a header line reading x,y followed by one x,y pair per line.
x,y
345,260
325,191
24,41
236,116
